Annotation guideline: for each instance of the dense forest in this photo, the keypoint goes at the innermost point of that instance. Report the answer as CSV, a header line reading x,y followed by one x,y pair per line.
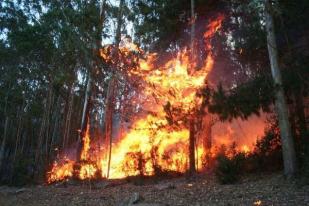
x,y
106,90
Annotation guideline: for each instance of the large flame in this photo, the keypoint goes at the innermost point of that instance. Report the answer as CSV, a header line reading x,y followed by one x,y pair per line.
x,y
152,143
86,144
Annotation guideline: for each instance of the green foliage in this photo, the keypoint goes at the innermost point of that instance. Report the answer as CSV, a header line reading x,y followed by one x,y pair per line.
x,y
162,22
228,169
22,172
48,45
267,154
46,48
303,156
246,99
265,157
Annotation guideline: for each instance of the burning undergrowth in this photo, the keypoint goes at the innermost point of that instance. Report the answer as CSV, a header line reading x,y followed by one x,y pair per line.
x,y
158,140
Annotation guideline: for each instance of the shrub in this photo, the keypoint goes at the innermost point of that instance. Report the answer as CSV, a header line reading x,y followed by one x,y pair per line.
x,y
267,154
228,169
303,157
22,171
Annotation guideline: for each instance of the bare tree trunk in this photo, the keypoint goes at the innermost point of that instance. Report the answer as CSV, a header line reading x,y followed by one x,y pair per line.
x,y
192,35
6,126
44,126
101,23
192,169
109,120
119,24
4,139
86,110
299,104
207,142
56,125
123,108
111,92
19,130
48,125
288,149
67,126
87,100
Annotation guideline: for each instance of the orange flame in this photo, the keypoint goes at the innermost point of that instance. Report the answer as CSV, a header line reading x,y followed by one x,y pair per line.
x,y
245,149
152,142
86,144
87,171
61,171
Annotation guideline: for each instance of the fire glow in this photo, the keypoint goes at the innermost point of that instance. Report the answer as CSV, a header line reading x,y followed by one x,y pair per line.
x,y
151,143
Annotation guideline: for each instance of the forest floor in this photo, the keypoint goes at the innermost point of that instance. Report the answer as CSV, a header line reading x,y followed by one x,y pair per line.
x,y
202,190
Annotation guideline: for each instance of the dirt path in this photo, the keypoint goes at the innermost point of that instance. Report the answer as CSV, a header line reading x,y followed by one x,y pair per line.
x,y
269,190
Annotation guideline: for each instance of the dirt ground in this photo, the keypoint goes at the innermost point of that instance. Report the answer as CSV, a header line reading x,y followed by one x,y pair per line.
x,y
202,190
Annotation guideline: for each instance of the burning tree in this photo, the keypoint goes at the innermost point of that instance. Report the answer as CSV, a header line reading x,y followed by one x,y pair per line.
x,y
118,110
171,107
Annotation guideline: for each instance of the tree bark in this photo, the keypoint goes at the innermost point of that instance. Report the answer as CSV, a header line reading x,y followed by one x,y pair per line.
x,y
299,104
48,125
111,91
109,120
86,110
192,169
19,130
55,131
207,141
192,36
67,126
43,133
4,139
119,24
288,149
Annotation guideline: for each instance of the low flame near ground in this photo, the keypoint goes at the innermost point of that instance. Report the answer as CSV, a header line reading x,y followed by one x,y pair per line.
x,y
151,143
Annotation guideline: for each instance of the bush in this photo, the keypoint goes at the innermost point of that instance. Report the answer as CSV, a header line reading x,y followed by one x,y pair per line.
x,y
267,154
22,171
228,169
303,157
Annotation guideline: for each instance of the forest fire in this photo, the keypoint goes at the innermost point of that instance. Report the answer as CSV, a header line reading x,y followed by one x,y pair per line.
x,y
61,170
150,102
159,139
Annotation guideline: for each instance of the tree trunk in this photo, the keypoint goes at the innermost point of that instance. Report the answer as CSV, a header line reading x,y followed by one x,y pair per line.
x,y
192,122
288,149
48,125
86,110
299,104
192,36
111,91
43,133
55,131
67,126
192,148
119,24
19,130
207,142
109,120
3,143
